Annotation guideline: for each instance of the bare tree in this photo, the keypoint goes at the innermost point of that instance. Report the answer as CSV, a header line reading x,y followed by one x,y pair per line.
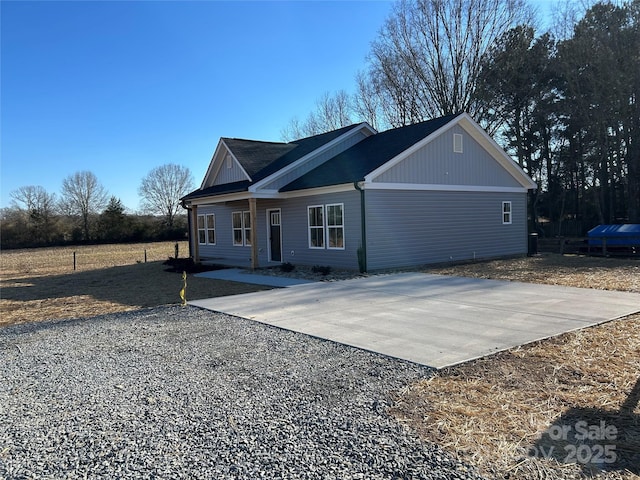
x,y
332,112
427,57
83,195
162,189
366,103
37,208
33,198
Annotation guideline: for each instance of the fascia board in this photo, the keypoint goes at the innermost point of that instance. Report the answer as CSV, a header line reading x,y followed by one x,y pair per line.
x,y
442,187
270,194
228,197
274,176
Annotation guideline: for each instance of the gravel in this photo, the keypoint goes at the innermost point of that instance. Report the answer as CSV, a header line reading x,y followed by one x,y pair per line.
x,y
175,392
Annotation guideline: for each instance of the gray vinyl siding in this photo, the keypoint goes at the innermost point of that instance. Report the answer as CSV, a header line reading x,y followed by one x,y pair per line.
x,y
294,225
296,237
406,229
436,163
229,175
312,163
224,248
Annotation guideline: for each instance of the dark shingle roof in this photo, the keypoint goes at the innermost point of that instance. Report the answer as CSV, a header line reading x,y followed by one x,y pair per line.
x,y
364,157
261,159
255,156
303,146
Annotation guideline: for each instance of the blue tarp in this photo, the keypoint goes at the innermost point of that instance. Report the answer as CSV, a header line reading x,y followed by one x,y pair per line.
x,y
627,234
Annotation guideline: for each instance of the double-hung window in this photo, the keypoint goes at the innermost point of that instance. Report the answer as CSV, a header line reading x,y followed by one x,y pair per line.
x,y
326,226
207,229
241,228
506,213
316,226
335,226
202,232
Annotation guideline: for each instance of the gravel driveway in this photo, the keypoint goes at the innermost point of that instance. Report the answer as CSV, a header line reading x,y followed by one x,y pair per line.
x,y
177,392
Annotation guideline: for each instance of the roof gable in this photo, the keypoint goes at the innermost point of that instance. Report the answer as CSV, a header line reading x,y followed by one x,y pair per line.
x,y
377,154
354,164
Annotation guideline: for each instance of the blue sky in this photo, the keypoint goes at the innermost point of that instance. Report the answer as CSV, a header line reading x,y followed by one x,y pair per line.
x,y
119,88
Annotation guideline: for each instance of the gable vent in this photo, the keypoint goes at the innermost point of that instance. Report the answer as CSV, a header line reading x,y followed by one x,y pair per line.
x,y
457,143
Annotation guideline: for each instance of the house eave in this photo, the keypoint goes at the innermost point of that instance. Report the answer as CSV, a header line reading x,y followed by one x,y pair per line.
x,y
441,188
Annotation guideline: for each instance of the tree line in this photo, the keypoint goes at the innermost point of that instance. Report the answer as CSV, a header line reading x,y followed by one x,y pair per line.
x,y
86,213
563,103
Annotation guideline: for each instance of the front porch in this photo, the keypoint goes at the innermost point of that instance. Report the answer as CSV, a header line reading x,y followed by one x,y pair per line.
x,y
233,233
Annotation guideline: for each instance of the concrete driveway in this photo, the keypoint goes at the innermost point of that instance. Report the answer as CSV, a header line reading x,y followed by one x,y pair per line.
x,y
433,320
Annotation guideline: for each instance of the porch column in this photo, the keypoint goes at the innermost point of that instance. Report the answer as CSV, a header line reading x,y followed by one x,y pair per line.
x,y
194,234
254,233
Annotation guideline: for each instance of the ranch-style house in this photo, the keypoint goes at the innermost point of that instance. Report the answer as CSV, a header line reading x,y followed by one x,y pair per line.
x,y
355,198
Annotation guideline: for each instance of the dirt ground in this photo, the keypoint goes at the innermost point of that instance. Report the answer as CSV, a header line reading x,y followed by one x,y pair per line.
x,y
504,413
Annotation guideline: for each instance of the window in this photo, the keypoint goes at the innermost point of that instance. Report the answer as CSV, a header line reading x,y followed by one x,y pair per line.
x,y
246,228
316,226
207,229
241,228
202,232
326,231
335,226
457,143
506,213
211,229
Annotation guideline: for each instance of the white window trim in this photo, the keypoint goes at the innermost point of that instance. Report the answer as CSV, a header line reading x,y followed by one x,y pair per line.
x,y
205,229
507,213
243,229
327,243
309,227
246,237
457,143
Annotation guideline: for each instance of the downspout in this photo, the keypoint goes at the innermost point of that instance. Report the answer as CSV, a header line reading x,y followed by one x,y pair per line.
x,y
363,226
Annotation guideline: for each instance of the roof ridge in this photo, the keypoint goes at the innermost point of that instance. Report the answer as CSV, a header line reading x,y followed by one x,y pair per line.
x,y
255,141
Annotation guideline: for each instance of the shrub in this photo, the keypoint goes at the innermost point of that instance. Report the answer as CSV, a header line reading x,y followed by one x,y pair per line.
x,y
287,267
322,270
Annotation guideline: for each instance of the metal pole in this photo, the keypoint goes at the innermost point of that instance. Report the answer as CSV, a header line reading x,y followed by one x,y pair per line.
x,y
74,261
145,255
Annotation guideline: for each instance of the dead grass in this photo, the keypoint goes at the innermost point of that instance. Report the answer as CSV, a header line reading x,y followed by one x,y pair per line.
x,y
39,284
551,269
496,413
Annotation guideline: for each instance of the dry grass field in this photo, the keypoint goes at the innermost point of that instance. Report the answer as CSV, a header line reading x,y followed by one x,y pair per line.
x,y
496,413
492,412
40,284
